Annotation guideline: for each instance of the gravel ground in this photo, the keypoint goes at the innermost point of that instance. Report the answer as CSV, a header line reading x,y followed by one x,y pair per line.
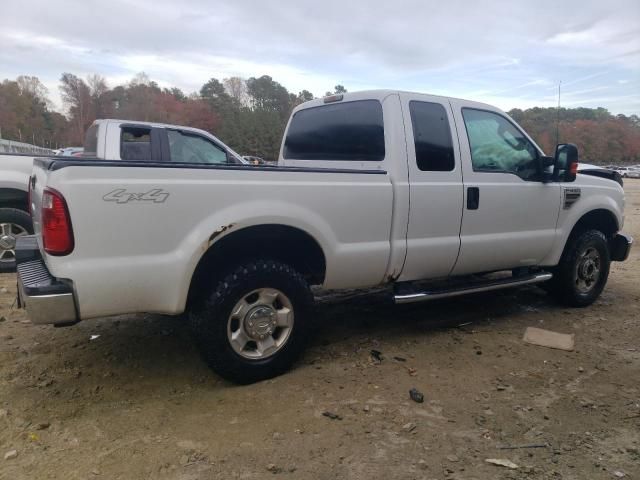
x,y
137,402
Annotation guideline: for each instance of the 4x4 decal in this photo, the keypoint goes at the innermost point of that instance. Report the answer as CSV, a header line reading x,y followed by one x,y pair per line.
x,y
120,195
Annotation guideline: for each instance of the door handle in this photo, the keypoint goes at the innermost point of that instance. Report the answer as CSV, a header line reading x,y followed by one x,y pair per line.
x,y
473,198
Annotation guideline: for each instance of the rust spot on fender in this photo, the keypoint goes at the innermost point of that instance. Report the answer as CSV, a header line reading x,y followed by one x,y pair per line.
x,y
220,231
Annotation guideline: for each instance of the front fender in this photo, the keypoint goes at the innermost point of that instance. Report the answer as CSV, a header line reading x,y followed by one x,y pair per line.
x,y
610,199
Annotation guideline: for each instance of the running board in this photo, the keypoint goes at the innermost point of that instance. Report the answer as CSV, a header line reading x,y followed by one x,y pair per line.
x,y
411,297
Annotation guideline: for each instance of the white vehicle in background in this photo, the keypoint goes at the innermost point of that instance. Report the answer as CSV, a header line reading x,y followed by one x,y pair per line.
x,y
432,196
105,140
629,172
16,160
69,151
633,172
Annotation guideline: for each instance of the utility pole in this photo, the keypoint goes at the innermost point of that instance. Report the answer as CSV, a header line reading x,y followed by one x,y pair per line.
x,y
558,115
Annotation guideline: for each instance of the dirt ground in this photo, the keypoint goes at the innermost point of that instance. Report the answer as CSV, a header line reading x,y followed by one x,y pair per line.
x,y
137,402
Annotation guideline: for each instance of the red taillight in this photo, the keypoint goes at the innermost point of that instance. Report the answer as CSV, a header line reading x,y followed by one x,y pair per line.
x,y
57,234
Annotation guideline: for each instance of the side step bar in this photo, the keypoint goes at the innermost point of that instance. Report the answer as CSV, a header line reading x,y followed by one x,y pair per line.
x,y
434,294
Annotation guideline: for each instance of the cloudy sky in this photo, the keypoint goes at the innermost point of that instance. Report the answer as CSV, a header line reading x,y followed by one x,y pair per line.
x,y
509,53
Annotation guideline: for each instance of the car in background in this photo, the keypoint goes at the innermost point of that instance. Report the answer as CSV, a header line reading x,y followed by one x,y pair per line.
x,y
69,151
633,172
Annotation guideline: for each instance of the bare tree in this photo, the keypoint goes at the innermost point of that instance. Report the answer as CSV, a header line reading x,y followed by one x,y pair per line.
x,y
77,98
236,87
97,85
98,89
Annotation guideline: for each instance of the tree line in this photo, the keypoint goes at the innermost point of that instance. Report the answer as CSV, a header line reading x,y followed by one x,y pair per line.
x,y
250,115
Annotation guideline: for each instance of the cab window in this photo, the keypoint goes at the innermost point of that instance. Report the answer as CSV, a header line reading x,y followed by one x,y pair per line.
x,y
352,131
498,146
432,137
191,148
135,143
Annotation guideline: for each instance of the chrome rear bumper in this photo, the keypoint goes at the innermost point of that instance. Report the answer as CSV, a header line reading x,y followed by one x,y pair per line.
x,y
46,299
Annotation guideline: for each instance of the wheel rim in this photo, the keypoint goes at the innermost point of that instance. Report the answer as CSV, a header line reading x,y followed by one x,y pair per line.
x,y
588,268
9,233
260,323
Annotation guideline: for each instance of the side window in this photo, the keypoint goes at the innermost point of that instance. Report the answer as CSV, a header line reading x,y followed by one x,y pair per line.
x,y
340,131
135,143
192,148
432,137
498,146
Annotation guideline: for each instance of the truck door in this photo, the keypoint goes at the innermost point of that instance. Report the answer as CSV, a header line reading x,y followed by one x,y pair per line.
x,y
435,187
510,215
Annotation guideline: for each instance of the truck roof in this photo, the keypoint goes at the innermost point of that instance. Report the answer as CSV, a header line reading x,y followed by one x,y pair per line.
x,y
380,94
118,121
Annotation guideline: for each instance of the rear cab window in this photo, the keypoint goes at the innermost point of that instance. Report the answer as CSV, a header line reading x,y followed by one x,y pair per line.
x,y
349,131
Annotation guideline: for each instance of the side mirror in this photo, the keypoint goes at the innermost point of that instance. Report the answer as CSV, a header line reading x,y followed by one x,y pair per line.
x,y
565,166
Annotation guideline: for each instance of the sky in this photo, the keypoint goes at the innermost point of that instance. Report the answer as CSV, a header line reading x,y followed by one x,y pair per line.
x,y
511,53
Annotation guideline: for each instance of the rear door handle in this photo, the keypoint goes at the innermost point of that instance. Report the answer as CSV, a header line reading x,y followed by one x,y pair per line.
x,y
473,198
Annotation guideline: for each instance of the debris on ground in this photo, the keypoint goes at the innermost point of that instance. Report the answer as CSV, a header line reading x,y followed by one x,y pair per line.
x,y
273,468
400,359
376,355
331,415
11,454
412,371
409,427
94,337
516,447
547,338
502,462
416,395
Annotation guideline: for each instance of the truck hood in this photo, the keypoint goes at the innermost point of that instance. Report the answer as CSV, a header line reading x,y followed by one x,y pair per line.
x,y
596,171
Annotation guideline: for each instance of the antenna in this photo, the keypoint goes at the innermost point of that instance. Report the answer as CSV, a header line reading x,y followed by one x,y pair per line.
x,y
558,115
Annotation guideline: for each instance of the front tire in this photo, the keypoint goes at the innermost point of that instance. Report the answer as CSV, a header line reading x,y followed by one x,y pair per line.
x,y
254,322
583,269
14,223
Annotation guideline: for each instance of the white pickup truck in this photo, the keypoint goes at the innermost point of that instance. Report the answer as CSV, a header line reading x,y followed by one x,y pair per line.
x,y
106,140
434,196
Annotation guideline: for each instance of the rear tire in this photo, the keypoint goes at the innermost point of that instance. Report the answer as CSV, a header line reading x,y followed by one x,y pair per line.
x,y
254,323
13,223
583,270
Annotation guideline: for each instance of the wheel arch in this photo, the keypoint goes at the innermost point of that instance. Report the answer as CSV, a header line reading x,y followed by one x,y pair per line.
x,y
14,198
600,219
284,243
